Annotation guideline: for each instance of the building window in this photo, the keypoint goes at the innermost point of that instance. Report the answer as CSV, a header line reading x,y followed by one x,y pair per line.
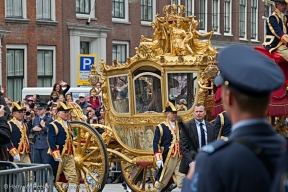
x,y
44,9
83,6
254,19
15,73
14,8
118,9
215,15
84,47
120,51
147,10
189,7
242,19
45,68
227,16
202,14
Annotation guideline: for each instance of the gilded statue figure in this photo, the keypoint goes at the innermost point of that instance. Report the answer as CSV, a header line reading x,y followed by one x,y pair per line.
x,y
203,83
201,47
180,40
155,43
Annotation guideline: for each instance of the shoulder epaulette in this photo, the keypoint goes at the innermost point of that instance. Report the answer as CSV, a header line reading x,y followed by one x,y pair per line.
x,y
215,146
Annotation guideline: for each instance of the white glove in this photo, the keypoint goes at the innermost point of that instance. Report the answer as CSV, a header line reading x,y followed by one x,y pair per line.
x,y
58,159
16,158
159,164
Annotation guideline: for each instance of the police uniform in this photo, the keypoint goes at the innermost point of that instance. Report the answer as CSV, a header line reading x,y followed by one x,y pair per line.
x,y
248,160
276,38
19,144
41,144
60,141
166,148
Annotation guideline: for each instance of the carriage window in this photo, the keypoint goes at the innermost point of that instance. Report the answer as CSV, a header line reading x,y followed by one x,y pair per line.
x,y
119,93
182,88
148,96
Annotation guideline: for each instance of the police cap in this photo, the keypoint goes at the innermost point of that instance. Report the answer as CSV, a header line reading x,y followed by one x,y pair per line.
x,y
41,105
281,1
247,71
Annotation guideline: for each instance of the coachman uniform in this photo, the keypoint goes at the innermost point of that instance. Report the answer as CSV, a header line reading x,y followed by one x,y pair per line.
x,y
60,140
166,149
276,38
19,146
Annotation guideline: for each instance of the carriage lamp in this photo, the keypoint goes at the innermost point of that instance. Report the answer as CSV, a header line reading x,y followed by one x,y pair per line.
x,y
93,79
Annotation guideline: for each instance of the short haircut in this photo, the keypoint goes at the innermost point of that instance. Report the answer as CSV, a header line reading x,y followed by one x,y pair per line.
x,y
251,104
200,105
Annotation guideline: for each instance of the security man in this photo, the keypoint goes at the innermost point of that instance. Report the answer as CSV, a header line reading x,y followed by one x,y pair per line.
x,y
19,146
248,160
40,130
60,140
276,38
166,149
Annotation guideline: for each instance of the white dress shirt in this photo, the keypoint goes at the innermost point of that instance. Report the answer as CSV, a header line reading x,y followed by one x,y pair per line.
x,y
199,131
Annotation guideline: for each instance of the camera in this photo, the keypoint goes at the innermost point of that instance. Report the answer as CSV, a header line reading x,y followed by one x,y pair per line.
x,y
95,121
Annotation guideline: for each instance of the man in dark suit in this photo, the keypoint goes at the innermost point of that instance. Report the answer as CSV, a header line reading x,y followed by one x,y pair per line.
x,y
167,150
248,160
198,133
222,126
40,130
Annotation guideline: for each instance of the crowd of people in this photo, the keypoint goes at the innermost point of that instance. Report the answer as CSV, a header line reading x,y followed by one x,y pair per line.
x,y
24,129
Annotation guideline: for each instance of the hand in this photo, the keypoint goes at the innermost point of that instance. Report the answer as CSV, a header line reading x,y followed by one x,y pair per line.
x,y
191,170
58,159
36,128
2,111
43,123
159,164
16,158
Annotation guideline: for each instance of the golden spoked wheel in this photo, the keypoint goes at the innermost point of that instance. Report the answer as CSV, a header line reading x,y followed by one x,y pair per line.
x,y
90,157
135,174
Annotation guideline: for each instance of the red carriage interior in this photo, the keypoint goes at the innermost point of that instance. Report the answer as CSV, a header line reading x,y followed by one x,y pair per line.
x,y
279,102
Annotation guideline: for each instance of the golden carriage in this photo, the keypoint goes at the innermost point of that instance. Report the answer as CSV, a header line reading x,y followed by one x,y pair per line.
x,y
174,64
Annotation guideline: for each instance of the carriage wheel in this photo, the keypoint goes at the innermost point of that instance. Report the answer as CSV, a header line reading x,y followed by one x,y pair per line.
x,y
90,156
135,175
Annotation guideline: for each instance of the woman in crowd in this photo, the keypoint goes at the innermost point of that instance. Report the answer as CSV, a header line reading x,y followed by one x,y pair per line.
x,y
58,87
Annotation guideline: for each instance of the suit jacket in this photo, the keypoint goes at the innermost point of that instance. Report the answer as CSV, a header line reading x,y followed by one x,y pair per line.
x,y
41,136
275,30
189,144
226,129
234,166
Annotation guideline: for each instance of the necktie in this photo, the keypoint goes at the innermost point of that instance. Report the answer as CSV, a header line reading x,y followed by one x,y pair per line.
x,y
203,140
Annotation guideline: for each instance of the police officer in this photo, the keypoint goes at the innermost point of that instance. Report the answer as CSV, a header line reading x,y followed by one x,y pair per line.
x,y
276,38
166,149
248,160
40,130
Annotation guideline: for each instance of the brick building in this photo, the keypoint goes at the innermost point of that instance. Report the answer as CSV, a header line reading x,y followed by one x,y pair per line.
x,y
41,39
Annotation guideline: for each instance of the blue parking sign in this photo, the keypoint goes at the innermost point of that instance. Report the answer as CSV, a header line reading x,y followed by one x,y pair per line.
x,y
85,61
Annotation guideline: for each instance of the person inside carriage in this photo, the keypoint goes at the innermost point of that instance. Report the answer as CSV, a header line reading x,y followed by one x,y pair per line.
x,y
276,38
